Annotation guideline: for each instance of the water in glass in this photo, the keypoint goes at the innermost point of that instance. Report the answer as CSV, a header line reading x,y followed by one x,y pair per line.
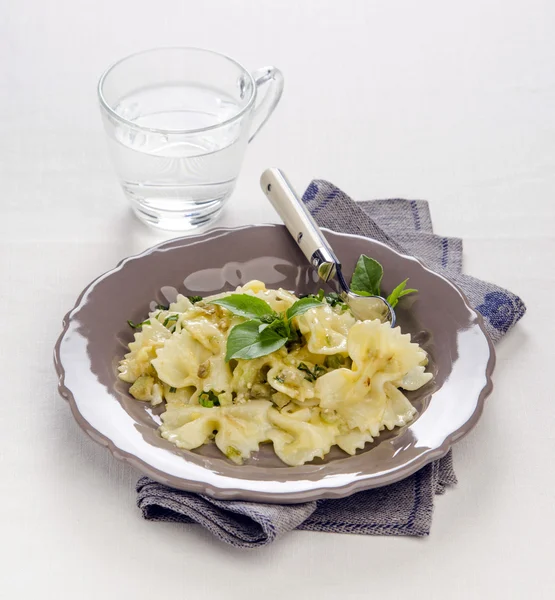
x,y
172,178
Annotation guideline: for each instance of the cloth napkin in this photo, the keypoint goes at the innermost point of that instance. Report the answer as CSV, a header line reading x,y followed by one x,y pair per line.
x,y
403,508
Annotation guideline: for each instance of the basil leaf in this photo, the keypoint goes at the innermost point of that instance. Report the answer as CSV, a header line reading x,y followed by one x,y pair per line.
x,y
246,341
245,305
301,306
399,292
367,278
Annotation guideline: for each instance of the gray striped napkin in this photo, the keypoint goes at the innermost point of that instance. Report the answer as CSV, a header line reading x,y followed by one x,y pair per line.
x,y
403,508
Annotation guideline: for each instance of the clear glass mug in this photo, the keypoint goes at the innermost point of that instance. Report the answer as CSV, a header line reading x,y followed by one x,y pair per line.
x,y
178,122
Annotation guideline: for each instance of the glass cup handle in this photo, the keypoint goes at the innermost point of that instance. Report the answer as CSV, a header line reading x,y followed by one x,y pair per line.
x,y
266,105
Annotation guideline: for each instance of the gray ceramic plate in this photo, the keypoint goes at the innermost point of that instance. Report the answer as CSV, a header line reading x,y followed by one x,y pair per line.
x,y
96,333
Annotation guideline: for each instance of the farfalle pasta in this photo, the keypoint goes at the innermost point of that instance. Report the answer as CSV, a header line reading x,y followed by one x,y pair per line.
x,y
309,377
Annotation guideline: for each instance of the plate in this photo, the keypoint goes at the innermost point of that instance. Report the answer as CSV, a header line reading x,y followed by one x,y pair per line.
x,y
95,336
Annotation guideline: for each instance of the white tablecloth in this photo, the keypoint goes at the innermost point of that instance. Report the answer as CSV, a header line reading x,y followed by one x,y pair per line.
x,y
451,102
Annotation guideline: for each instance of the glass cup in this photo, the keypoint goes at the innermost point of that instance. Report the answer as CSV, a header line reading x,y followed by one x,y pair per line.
x,y
178,122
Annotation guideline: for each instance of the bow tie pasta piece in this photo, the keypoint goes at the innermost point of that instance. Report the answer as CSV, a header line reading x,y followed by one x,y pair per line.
x,y
189,426
301,436
364,404
345,392
365,397
177,362
279,300
242,428
137,362
326,330
214,370
239,430
288,380
379,347
206,333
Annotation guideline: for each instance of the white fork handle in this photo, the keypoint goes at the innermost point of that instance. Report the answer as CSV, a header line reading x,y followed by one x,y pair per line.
x,y
300,223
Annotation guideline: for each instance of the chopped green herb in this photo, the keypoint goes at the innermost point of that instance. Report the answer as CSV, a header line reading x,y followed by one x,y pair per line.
x,y
311,375
333,299
279,379
161,307
137,325
170,319
173,390
194,299
308,373
318,371
209,399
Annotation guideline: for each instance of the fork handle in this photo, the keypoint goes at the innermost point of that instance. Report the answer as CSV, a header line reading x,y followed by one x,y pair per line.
x,y
300,223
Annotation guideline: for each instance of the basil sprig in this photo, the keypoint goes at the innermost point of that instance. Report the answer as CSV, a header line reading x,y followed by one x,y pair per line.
x,y
367,280
266,331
